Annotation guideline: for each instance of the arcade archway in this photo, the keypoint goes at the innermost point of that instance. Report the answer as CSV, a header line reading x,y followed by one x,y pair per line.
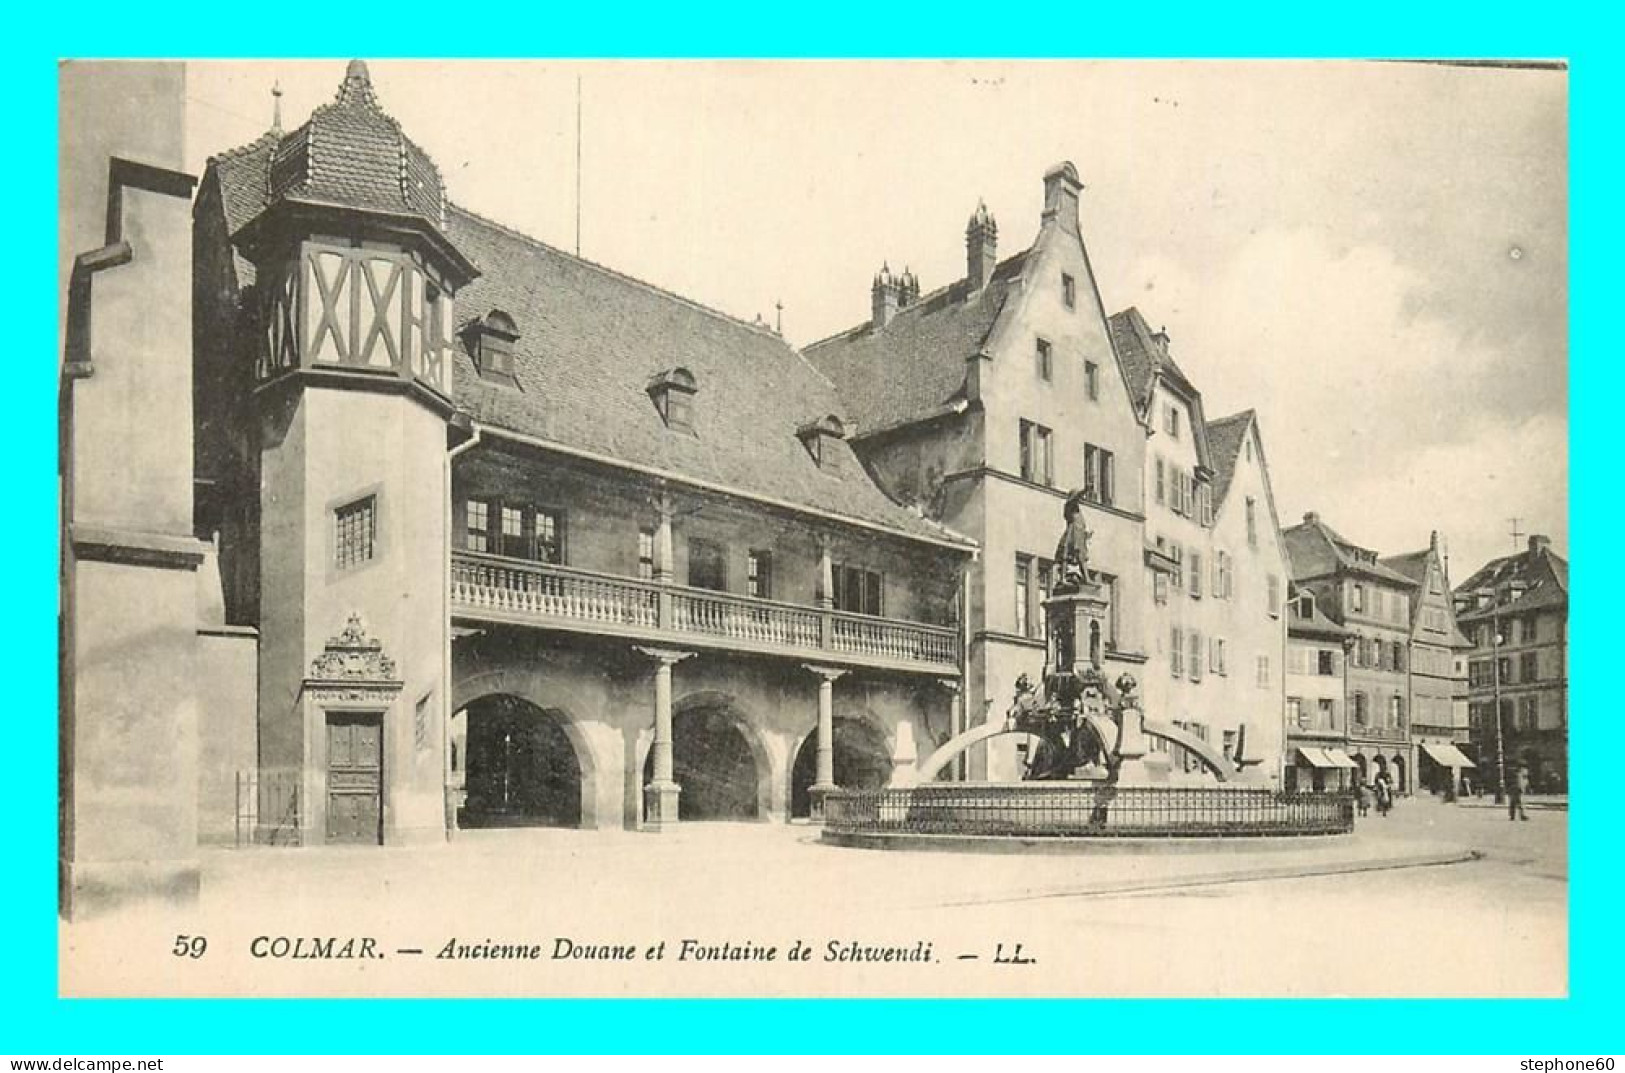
x,y
516,764
713,762
862,762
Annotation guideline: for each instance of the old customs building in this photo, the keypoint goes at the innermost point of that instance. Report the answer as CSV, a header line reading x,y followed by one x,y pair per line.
x,y
667,587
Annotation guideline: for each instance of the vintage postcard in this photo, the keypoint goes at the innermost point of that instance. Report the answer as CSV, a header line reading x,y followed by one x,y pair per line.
x,y
540,528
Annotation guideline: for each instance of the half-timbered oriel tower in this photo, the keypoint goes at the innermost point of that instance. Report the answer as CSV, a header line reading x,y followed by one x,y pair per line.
x,y
348,409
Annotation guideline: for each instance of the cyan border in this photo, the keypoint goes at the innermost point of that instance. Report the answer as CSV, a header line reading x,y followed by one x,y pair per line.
x,y
32,1019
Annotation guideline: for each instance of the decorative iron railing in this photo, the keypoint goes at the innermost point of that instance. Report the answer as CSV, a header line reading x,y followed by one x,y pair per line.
x,y
546,594
1078,809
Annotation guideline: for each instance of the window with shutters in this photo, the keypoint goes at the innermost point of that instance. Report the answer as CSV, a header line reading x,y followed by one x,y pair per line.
x,y
1162,481
1252,522
1023,594
1196,574
1099,475
477,525
1037,455
1091,380
646,554
1176,651
1046,360
858,589
549,530
1196,656
759,574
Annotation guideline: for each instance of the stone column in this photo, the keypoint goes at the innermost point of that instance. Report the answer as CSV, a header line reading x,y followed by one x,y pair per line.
x,y
660,795
905,756
663,543
824,781
826,597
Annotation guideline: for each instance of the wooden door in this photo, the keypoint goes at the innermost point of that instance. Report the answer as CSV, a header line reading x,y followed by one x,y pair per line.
x,y
355,768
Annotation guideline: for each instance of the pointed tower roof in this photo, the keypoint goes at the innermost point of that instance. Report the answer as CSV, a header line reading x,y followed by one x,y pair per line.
x,y
350,156
351,152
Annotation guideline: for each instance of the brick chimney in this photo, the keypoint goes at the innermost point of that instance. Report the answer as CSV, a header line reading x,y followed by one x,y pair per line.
x,y
1311,518
883,297
1061,189
908,289
981,247
1162,339
1538,543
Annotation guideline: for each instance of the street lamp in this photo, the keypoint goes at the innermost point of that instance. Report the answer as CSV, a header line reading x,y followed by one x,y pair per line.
x,y
1500,734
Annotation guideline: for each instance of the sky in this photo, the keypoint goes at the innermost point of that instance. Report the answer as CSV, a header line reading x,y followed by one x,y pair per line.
x,y
1373,256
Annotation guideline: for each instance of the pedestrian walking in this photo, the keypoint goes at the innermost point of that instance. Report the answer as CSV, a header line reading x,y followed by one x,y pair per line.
x,y
1384,795
1516,788
1360,805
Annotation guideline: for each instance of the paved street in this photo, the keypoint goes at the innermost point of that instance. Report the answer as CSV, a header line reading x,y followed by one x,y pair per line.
x,y
1371,918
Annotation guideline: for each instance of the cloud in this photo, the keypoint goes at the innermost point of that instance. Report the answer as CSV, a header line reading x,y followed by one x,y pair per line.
x,y
1381,407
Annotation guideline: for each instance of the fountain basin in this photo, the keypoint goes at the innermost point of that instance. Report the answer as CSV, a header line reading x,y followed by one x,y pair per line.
x,y
1032,813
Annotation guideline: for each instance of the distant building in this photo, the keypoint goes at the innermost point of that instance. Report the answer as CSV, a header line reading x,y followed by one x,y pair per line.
x,y
1316,698
1515,611
1438,686
1373,602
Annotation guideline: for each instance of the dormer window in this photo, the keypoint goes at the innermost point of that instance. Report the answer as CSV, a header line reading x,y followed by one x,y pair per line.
x,y
490,341
673,395
819,438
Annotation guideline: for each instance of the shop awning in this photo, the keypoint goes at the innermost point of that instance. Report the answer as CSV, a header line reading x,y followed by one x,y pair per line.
x,y
1315,757
1447,755
1341,759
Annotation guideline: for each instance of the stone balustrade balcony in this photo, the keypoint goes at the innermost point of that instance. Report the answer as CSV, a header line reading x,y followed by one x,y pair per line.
x,y
491,588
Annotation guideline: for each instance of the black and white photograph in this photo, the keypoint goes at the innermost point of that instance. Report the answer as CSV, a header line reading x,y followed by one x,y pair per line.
x,y
925,528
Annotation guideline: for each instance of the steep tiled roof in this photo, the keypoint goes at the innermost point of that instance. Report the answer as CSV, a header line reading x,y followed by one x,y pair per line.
x,y
350,152
914,367
1315,550
1316,625
1141,356
1224,438
1543,574
591,339
1413,564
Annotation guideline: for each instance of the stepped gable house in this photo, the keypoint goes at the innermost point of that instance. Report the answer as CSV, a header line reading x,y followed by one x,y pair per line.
x,y
666,584
986,401
1214,563
1438,690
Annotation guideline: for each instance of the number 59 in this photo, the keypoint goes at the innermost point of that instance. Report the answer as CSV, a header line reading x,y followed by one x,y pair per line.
x,y
190,946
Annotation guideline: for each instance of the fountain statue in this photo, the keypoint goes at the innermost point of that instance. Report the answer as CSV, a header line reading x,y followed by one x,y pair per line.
x,y
1089,770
